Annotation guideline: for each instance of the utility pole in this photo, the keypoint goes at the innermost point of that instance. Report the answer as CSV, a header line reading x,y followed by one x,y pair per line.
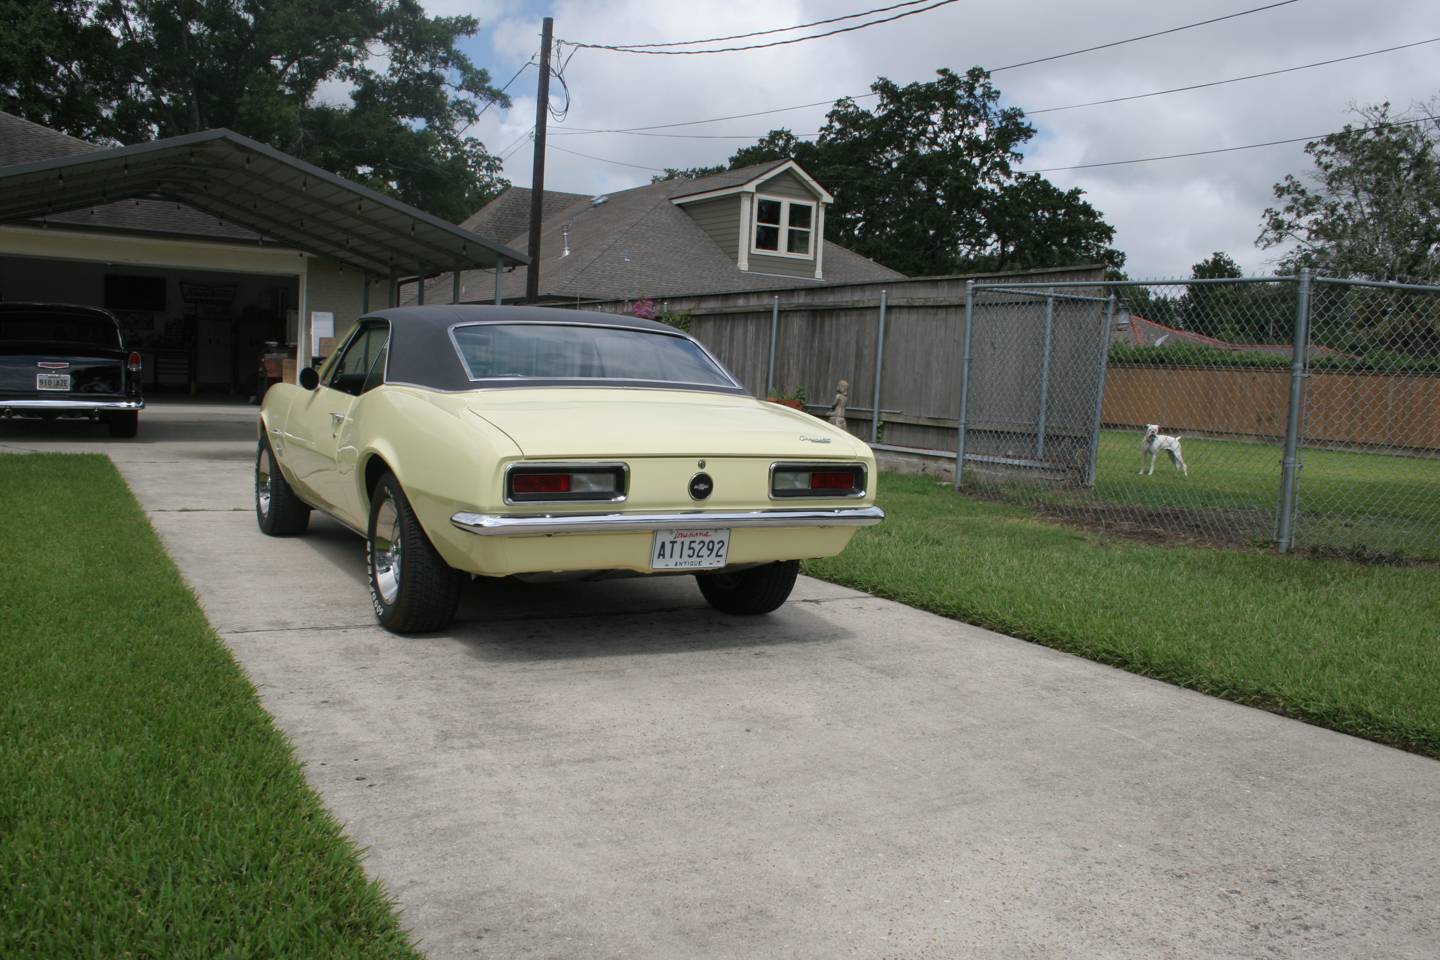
x,y
537,178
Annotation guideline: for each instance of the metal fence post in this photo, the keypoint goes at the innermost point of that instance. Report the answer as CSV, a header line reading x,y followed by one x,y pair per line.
x,y
879,367
1100,390
1290,473
964,382
1045,372
774,335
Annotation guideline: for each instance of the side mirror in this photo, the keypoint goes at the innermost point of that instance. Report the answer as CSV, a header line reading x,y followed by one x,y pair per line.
x,y
309,379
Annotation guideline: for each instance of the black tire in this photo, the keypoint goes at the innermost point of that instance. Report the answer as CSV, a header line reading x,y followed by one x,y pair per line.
x,y
418,595
125,424
278,510
750,592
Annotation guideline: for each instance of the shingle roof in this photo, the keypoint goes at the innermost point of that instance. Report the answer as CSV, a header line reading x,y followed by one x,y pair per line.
x,y
508,215
726,178
637,243
24,142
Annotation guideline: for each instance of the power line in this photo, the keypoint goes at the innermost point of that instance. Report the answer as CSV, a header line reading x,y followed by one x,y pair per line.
x,y
1143,36
1082,166
863,96
515,144
1216,83
774,43
745,36
585,131
491,103
618,163
738,116
1247,146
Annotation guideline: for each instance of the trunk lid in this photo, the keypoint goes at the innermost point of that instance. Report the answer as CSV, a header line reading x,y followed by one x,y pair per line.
x,y
603,423
93,371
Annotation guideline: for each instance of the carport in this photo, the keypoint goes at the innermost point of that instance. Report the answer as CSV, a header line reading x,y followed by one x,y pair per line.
x,y
343,245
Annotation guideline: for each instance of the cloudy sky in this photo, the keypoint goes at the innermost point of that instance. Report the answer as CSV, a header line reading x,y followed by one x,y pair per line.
x,y
1168,214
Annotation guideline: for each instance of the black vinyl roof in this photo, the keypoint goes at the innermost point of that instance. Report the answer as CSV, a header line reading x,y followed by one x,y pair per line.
x,y
244,182
422,353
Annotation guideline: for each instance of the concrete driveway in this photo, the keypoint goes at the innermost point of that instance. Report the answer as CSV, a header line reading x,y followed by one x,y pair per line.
x,y
613,770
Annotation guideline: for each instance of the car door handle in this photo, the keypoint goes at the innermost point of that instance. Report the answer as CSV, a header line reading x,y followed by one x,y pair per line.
x,y
336,419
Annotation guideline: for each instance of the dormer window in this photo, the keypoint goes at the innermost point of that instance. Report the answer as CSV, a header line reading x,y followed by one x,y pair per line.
x,y
784,228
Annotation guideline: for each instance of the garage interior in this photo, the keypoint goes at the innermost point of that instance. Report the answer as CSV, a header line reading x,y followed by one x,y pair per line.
x,y
197,332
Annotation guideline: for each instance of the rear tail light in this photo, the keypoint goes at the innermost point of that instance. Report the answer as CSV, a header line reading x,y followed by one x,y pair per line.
x,y
817,480
559,483
541,483
134,362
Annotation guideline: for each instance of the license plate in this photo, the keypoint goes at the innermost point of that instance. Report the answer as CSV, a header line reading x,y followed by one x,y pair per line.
x,y
52,381
689,549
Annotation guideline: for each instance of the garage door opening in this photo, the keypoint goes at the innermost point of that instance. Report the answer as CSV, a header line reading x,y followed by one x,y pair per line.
x,y
198,332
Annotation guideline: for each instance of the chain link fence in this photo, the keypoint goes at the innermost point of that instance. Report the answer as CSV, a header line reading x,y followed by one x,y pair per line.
x,y
1291,411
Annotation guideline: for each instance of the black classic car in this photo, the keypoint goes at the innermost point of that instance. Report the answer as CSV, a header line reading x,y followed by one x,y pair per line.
x,y
60,361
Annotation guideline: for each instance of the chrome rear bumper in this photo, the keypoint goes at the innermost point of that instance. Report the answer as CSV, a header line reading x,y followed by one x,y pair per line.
x,y
490,525
59,406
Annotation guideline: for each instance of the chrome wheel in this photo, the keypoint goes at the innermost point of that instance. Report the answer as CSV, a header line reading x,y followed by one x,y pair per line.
x,y
262,482
385,551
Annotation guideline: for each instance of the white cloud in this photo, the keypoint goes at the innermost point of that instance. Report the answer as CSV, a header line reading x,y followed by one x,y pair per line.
x,y
487,12
1168,214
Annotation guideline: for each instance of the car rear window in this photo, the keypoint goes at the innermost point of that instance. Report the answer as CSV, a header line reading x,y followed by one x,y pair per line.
x,y
59,328
551,351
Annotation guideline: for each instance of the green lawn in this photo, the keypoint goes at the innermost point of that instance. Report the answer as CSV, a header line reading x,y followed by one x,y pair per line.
x,y
1371,502
149,807
1343,645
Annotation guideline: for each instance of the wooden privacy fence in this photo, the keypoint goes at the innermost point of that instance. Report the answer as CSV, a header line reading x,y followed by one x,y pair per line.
x,y
1381,409
808,339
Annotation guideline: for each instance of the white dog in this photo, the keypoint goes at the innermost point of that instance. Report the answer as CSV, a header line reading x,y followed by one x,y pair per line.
x,y
1156,442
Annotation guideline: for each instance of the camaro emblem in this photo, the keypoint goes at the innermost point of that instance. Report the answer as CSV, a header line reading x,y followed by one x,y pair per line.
x,y
701,486
52,365
808,438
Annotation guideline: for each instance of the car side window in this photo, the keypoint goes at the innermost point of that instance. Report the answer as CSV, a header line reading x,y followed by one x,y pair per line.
x,y
352,370
376,376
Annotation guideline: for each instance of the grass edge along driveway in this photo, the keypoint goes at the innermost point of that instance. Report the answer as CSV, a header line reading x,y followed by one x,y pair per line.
x,y
149,807
1342,645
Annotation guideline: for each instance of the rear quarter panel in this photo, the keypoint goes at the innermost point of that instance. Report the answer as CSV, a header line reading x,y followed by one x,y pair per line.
x,y
446,459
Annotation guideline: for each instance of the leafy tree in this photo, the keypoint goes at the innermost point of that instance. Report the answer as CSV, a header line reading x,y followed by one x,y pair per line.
x,y
925,181
1371,206
1214,311
775,145
1035,224
133,70
687,173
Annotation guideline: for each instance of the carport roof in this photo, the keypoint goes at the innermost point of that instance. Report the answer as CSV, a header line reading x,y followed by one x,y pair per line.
x,y
247,183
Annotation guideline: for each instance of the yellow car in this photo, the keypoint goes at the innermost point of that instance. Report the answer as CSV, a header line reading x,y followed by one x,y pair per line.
x,y
534,442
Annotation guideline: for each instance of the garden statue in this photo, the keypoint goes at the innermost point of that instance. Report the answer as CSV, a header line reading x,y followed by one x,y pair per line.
x,y
837,409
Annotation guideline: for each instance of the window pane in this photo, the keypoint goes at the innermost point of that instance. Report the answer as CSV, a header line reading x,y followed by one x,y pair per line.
x,y
564,352
799,241
800,216
349,372
376,376
767,238
768,211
